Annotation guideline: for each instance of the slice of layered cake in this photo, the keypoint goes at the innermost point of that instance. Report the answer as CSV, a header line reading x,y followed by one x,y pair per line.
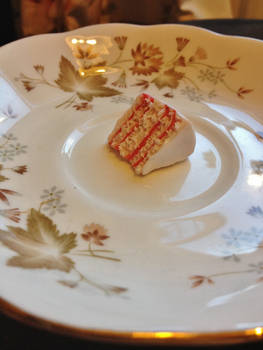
x,y
152,135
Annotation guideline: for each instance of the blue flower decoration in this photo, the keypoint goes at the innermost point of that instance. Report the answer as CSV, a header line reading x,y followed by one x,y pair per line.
x,y
243,239
257,212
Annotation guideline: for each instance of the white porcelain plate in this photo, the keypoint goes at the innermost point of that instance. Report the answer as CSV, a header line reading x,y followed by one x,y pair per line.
x,y
89,247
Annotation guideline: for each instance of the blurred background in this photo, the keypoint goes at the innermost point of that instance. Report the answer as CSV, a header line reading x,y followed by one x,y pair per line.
x,y
21,18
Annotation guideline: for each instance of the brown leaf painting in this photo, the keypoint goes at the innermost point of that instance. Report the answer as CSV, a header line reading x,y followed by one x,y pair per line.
x,y
241,91
197,280
231,64
180,61
3,178
169,78
181,43
4,193
86,88
40,246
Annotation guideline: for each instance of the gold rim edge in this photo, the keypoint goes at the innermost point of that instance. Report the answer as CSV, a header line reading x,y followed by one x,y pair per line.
x,y
133,337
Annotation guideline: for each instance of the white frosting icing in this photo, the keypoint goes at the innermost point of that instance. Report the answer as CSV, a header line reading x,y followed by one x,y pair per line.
x,y
174,150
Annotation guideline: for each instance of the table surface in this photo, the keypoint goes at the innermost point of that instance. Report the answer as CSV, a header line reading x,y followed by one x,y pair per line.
x,y
15,335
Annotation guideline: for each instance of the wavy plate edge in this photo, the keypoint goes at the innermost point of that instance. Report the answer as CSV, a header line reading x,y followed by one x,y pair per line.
x,y
133,337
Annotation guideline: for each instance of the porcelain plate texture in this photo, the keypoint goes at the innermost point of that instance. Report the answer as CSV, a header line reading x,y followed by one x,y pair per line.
x,y
173,257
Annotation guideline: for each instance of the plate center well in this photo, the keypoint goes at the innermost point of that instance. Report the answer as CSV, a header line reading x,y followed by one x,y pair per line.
x,y
105,179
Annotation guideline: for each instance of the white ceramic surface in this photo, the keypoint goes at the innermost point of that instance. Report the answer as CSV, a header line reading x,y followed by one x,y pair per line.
x,y
88,244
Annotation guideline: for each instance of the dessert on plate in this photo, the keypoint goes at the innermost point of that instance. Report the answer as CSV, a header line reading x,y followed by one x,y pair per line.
x,y
151,135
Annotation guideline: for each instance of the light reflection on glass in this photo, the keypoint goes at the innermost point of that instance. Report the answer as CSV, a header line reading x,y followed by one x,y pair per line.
x,y
2,118
191,230
227,298
255,180
236,122
71,141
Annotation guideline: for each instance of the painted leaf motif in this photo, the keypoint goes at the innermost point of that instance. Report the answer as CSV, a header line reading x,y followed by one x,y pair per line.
x,y
11,214
168,95
196,277
39,68
197,280
180,61
169,78
181,43
3,178
121,41
68,76
4,193
83,106
197,283
69,284
40,246
200,53
117,290
86,88
231,64
143,83
21,169
93,86
210,281
33,262
241,91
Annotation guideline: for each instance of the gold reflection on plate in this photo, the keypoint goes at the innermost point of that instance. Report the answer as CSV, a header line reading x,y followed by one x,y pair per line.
x,y
91,54
258,331
96,71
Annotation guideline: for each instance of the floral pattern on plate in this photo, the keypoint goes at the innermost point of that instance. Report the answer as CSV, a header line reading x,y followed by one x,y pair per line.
x,y
145,59
41,245
236,240
9,149
148,59
69,80
65,223
9,112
